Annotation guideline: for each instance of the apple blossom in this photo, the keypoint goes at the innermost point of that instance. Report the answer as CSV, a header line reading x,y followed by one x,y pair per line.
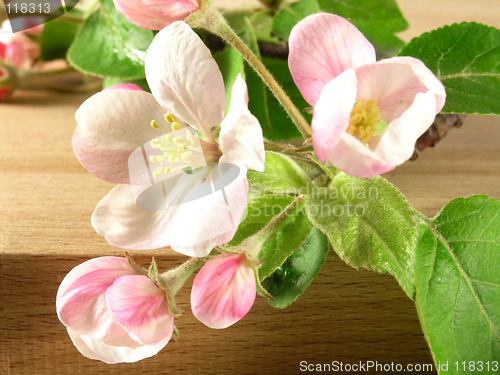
x,y
355,97
112,313
17,49
115,125
223,290
154,14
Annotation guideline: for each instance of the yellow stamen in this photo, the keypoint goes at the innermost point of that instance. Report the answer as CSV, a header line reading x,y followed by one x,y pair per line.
x,y
363,123
170,118
158,171
167,170
176,126
154,125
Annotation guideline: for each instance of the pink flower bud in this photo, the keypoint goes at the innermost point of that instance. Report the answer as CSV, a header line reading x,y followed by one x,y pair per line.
x,y
156,14
224,290
113,314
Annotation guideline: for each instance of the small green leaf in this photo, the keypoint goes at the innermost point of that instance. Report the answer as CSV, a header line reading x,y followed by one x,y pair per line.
x,y
108,45
290,280
291,14
466,58
458,284
288,237
230,63
142,83
281,175
56,37
369,224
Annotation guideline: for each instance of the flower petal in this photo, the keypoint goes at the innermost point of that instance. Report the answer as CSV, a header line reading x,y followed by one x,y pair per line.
x,y
397,142
223,291
111,125
332,113
213,219
81,303
84,349
425,75
139,306
120,350
394,84
241,135
155,15
124,86
184,77
355,159
321,47
118,218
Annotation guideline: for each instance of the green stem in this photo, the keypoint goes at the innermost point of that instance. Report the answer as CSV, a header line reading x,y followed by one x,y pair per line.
x,y
211,20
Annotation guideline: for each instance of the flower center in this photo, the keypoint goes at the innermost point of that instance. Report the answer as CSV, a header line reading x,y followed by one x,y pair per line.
x,y
363,123
182,147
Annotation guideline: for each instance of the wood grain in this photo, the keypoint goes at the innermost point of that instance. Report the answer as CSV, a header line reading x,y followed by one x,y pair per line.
x,y
47,198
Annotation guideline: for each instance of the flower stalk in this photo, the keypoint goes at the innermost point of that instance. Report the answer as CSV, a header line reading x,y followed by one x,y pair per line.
x,y
209,18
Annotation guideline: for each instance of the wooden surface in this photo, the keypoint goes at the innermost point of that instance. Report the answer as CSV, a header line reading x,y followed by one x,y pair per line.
x,y
47,198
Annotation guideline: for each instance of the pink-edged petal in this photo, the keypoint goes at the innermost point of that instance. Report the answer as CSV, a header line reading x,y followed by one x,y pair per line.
x,y
223,291
321,47
394,84
120,350
115,266
184,77
213,219
124,86
118,218
332,113
139,306
355,159
84,349
425,75
241,135
156,15
111,125
81,301
397,142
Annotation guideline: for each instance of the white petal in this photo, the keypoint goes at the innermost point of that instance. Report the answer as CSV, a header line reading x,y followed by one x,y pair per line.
x,y
184,77
212,220
397,142
118,218
123,349
241,135
355,159
332,113
111,125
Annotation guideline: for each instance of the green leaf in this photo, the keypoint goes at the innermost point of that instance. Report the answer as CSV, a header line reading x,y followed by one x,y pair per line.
x,y
281,175
458,283
290,280
275,123
288,237
230,64
466,58
291,14
108,45
142,83
369,224
56,37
